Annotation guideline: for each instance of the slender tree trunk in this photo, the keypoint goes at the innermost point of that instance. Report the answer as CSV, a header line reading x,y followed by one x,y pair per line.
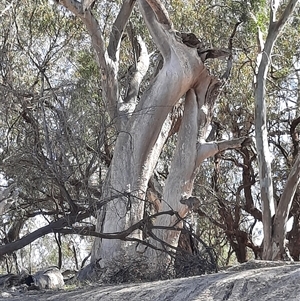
x,y
283,209
261,132
264,156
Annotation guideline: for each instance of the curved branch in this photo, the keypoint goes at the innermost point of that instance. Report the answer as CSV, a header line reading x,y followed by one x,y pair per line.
x,y
118,29
26,240
286,14
251,210
64,226
94,30
285,203
92,26
158,23
234,143
160,13
209,149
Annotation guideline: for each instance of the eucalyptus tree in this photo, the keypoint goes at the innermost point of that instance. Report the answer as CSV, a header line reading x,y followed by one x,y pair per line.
x,y
144,121
274,220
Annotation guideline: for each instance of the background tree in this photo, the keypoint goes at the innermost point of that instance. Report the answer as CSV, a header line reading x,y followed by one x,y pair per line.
x,y
274,230
48,157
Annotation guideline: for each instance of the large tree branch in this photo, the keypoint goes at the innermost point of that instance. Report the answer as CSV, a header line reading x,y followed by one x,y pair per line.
x,y
108,62
26,240
94,31
92,26
286,14
158,23
160,13
209,149
275,28
65,226
284,206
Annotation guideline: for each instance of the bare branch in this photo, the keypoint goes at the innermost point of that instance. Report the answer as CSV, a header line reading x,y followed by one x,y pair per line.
x,y
285,203
234,143
118,29
64,226
73,6
26,240
97,40
208,149
92,26
286,14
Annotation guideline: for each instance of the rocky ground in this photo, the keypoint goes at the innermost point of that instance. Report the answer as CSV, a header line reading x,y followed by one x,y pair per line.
x,y
255,280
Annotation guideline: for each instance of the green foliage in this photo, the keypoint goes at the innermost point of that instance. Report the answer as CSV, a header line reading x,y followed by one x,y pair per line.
x,y
87,67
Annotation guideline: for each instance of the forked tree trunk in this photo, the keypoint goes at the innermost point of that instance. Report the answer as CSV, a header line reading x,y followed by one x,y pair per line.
x,y
141,138
139,146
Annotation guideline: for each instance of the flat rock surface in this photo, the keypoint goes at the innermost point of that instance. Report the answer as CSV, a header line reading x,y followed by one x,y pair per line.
x,y
255,280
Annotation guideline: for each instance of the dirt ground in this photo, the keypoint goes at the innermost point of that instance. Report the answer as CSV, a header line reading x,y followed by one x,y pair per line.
x,y
255,280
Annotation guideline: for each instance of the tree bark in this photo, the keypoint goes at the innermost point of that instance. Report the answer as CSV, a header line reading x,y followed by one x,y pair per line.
x,y
139,146
261,132
141,138
283,210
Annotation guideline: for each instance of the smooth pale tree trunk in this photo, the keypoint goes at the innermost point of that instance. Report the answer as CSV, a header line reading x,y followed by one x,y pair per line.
x,y
142,136
191,151
271,245
142,129
282,211
139,146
